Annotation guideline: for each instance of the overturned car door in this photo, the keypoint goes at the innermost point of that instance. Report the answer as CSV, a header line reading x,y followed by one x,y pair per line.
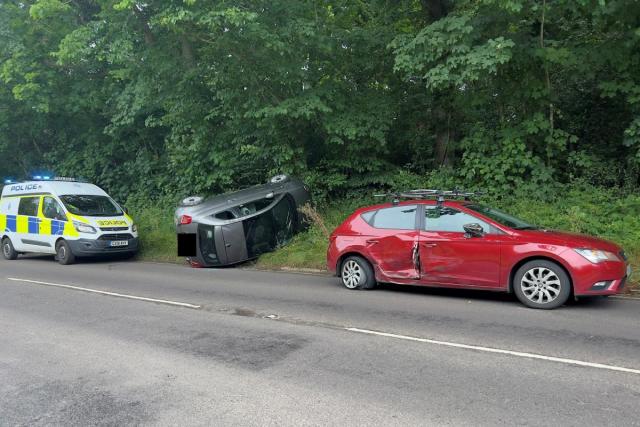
x,y
234,242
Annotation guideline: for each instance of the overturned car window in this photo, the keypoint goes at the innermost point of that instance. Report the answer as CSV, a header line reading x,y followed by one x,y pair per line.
x,y
253,207
243,210
284,220
259,234
250,208
208,244
225,215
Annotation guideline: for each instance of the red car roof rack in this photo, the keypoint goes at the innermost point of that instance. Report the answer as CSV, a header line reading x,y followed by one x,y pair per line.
x,y
424,194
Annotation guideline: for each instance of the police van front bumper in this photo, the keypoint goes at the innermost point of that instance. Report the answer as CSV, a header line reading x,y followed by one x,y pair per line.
x,y
103,245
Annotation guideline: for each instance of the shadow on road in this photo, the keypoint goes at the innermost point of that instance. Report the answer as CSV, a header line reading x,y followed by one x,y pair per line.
x,y
478,295
482,295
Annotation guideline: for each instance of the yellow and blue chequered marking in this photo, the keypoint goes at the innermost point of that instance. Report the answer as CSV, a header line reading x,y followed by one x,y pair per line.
x,y
39,225
57,227
11,223
33,225
36,225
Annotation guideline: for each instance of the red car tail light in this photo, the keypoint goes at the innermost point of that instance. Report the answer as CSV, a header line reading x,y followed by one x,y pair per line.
x,y
185,219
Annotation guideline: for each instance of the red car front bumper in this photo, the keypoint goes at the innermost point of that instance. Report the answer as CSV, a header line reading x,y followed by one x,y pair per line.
x,y
604,278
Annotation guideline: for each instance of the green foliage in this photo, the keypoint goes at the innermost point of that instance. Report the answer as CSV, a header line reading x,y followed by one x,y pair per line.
x,y
169,98
450,54
156,229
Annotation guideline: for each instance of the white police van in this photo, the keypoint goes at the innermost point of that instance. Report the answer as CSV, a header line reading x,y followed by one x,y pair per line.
x,y
65,217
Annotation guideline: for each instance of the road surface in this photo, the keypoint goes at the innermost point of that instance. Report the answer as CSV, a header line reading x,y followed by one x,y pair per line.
x,y
121,343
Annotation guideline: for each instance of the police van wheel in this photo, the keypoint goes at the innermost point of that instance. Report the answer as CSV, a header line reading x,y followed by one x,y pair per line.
x,y
64,254
8,251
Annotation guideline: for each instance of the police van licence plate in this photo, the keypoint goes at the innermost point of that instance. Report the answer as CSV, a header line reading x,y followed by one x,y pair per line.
x,y
117,243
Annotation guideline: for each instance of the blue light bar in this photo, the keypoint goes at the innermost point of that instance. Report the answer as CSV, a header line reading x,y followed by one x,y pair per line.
x,y
41,175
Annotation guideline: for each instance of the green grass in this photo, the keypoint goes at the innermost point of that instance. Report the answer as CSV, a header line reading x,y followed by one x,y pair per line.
x,y
157,234
599,212
309,249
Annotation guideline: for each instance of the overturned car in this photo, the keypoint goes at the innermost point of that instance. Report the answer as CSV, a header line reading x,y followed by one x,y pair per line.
x,y
234,227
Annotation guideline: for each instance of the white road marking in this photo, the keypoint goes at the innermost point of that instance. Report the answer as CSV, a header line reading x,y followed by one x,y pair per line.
x,y
499,351
113,294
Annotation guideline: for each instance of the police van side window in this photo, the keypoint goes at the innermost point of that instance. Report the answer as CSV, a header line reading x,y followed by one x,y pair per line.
x,y
51,209
29,206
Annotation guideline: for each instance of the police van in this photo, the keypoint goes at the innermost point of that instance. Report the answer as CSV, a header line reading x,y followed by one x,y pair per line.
x,y
64,217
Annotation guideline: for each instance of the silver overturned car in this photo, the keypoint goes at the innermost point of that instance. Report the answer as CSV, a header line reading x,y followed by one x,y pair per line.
x,y
234,227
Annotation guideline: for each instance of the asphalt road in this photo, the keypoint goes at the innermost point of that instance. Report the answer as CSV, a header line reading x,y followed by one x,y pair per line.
x,y
243,347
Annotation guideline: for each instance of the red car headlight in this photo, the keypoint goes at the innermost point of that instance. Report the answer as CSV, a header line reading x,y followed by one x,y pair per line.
x,y
597,256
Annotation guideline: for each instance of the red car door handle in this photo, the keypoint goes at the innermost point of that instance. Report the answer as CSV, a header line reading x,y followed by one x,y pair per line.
x,y
372,242
429,245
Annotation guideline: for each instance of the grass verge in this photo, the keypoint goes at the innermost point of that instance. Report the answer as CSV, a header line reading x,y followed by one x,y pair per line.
x,y
595,211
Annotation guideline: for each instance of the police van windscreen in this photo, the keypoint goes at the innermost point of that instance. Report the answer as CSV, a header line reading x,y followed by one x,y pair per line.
x,y
90,205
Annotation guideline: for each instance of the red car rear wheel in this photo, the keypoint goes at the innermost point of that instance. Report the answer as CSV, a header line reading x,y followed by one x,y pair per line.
x,y
356,273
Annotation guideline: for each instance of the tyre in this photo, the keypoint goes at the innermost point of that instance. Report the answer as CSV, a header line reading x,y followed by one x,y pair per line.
x,y
64,254
542,284
356,273
8,251
279,179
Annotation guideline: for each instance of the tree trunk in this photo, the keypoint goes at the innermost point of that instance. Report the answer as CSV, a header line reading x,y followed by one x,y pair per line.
x,y
187,52
434,10
443,137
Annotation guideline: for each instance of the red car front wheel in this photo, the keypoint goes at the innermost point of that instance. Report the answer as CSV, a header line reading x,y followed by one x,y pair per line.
x,y
542,284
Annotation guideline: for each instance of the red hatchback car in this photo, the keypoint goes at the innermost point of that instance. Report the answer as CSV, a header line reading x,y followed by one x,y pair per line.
x,y
461,244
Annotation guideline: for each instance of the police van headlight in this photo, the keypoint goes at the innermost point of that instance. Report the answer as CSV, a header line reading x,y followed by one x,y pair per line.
x,y
134,228
81,227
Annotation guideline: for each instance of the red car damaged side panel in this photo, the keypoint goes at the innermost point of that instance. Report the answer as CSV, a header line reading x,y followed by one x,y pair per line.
x,y
389,251
395,253
452,259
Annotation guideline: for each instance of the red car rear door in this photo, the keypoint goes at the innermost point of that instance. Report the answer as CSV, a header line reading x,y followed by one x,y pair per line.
x,y
450,257
393,245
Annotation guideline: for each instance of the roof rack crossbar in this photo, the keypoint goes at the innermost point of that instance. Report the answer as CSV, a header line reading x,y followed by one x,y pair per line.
x,y
423,194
